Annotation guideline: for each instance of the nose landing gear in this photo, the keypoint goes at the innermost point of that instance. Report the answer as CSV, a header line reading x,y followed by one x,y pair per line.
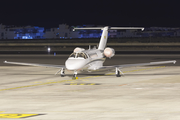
x,y
75,76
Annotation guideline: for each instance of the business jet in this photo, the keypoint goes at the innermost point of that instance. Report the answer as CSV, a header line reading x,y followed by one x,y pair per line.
x,y
92,59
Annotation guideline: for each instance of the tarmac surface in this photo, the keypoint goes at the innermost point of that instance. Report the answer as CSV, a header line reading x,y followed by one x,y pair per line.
x,y
144,93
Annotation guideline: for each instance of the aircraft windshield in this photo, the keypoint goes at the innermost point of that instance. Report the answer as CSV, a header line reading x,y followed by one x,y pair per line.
x,y
79,55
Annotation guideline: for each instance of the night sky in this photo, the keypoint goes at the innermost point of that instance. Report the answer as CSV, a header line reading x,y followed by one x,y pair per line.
x,y
51,13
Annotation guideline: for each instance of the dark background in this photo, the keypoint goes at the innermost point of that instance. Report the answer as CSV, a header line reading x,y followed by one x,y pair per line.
x,y
51,13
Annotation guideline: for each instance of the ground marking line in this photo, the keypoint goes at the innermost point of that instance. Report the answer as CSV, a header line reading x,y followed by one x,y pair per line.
x,y
17,115
35,85
114,112
63,81
82,84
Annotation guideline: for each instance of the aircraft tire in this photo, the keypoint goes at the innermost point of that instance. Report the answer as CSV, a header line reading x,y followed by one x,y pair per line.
x,y
62,75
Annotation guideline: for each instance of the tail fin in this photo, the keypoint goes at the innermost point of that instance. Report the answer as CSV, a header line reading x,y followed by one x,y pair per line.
x,y
104,37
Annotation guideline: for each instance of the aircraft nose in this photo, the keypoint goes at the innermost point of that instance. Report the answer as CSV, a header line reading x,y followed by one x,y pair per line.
x,y
74,64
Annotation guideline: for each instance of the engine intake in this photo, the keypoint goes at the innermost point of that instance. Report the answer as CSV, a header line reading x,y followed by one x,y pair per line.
x,y
109,52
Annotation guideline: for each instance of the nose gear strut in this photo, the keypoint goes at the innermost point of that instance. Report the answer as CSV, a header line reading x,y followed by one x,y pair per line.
x,y
75,76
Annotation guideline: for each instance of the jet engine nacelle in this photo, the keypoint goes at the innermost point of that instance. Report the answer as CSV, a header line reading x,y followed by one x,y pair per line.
x,y
109,52
78,49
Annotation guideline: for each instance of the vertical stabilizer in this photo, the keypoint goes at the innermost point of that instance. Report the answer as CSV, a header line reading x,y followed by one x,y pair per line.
x,y
104,37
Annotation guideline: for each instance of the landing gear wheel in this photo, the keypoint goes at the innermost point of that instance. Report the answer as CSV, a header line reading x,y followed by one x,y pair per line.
x,y
75,76
118,74
62,73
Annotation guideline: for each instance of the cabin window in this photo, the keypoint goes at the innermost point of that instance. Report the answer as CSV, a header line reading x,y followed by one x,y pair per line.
x,y
83,55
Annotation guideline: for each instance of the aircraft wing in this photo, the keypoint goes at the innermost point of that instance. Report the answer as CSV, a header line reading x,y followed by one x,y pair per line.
x,y
139,64
35,64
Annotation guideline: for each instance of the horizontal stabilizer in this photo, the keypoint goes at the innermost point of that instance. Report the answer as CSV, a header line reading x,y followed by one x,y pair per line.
x,y
127,28
88,28
109,28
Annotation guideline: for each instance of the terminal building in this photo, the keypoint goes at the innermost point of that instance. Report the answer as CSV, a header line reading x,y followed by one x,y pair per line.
x,y
66,32
27,32
62,32
160,32
5,33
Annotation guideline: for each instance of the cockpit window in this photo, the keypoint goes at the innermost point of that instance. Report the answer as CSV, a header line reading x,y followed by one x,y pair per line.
x,y
79,55
73,55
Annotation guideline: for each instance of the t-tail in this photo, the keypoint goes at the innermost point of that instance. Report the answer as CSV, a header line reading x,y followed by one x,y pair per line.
x,y
103,40
104,36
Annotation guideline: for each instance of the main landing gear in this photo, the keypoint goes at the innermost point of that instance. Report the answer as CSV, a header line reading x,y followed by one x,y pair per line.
x,y
119,72
62,72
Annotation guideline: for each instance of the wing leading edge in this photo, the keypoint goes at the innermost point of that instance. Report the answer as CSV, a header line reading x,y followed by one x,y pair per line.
x,y
139,64
35,64
104,67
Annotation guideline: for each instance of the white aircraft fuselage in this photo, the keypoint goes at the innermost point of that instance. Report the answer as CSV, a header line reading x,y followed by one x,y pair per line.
x,y
93,59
